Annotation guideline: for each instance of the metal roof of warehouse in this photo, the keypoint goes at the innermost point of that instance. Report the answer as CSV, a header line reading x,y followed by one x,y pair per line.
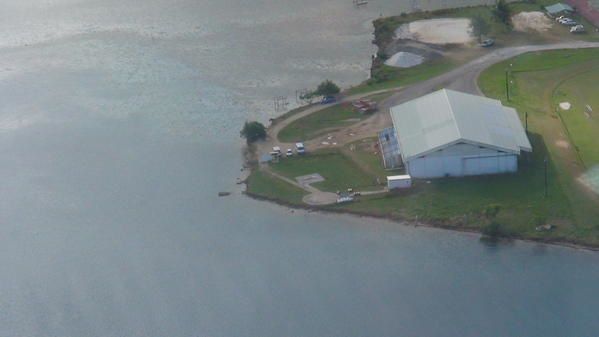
x,y
558,8
447,117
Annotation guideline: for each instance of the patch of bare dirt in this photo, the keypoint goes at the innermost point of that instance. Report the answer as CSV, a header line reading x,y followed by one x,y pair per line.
x,y
437,31
562,144
531,21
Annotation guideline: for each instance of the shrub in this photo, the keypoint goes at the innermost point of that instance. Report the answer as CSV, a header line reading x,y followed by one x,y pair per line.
x,y
327,88
492,210
493,230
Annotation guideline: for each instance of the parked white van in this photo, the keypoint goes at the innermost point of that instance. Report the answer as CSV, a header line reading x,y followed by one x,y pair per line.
x,y
300,148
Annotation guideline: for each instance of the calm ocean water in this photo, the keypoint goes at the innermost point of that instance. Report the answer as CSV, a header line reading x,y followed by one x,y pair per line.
x,y
118,126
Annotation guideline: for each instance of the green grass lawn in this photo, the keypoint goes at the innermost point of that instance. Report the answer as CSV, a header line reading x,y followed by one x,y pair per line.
x,y
464,201
581,91
366,154
264,185
537,82
339,171
322,122
397,77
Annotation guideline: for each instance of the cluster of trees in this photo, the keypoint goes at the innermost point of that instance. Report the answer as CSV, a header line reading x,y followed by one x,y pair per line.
x,y
253,131
326,88
481,27
502,12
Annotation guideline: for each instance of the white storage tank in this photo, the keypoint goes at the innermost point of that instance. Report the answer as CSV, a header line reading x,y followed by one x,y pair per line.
x,y
402,181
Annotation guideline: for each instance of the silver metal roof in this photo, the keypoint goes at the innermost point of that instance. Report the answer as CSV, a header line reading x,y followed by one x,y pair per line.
x,y
558,8
446,117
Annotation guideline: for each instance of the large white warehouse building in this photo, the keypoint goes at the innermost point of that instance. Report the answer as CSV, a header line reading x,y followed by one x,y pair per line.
x,y
453,134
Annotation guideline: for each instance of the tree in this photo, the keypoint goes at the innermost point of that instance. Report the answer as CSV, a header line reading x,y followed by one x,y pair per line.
x,y
503,12
253,131
479,27
326,88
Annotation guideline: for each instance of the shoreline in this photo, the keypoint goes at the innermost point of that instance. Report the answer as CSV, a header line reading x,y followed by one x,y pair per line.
x,y
252,165
405,222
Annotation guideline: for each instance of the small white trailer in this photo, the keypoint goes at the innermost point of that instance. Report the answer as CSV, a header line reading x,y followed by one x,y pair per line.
x,y
401,181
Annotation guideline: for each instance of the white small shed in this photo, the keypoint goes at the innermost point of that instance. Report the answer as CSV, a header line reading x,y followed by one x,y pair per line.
x,y
401,181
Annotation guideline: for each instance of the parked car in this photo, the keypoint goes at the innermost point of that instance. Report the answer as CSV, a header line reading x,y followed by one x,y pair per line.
x,y
567,22
571,23
487,43
577,29
289,153
560,17
345,198
328,100
300,148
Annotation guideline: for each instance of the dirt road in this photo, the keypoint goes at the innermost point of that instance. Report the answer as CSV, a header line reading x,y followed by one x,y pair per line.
x,y
272,140
463,78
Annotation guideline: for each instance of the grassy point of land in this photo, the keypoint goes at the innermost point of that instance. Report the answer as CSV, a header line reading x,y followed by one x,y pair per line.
x,y
324,121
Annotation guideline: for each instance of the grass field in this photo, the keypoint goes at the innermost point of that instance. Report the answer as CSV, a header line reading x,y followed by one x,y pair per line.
x,y
581,91
397,77
339,171
537,82
264,185
464,201
322,122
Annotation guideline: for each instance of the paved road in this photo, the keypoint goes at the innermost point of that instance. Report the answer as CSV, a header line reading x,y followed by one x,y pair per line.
x,y
464,78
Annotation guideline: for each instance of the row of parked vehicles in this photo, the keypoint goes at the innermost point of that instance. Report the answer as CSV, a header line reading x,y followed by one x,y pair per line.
x,y
299,149
575,27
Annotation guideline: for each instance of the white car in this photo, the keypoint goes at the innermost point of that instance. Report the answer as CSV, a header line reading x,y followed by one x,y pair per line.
x,y
577,29
289,153
560,18
344,199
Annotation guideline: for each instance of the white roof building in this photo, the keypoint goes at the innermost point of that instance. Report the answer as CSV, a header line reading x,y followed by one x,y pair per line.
x,y
449,133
